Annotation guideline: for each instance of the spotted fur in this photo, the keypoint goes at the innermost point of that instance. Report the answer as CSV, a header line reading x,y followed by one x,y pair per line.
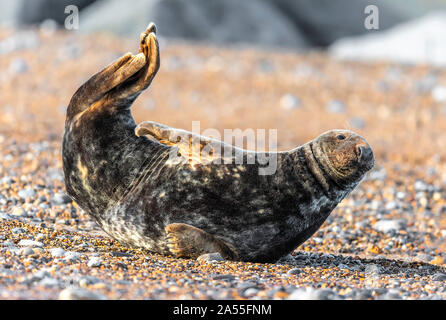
x,y
140,198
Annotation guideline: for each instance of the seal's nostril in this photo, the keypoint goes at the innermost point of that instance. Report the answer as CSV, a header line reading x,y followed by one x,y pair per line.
x,y
364,153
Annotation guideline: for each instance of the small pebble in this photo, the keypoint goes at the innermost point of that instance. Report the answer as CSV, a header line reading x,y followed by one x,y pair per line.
x,y
388,225
94,262
57,252
250,292
19,66
294,271
303,294
49,282
26,251
225,277
336,106
80,294
18,230
30,243
72,256
209,257
439,93
19,212
26,193
439,277
289,102
61,198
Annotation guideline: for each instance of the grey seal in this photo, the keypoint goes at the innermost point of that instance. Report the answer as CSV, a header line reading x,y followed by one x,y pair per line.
x,y
124,177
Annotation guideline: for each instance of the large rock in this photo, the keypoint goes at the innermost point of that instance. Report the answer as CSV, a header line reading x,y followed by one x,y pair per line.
x,y
9,11
290,23
217,21
419,41
324,21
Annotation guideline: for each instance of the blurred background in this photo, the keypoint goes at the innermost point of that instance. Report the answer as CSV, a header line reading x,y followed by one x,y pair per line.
x,y
291,24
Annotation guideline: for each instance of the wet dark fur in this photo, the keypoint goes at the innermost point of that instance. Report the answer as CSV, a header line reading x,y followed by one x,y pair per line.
x,y
123,182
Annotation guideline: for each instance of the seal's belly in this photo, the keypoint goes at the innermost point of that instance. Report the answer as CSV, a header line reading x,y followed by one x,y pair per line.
x,y
132,230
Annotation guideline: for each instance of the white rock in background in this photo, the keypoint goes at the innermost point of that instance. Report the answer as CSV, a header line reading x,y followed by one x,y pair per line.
x,y
418,41
26,251
94,262
5,180
18,66
60,198
388,225
5,216
57,252
19,41
30,243
310,293
8,12
304,294
377,174
26,193
336,106
72,256
49,282
290,101
208,257
80,294
41,274
439,93
19,212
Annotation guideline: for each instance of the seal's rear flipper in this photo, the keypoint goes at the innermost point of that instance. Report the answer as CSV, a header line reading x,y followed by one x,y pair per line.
x,y
187,241
120,83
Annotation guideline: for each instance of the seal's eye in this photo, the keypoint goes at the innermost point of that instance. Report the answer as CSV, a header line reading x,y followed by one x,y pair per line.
x,y
340,137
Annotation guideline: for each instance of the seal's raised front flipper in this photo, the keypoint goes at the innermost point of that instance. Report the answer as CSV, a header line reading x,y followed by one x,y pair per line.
x,y
193,147
190,242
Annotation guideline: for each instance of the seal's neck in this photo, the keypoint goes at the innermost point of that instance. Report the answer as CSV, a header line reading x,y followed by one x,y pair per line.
x,y
315,167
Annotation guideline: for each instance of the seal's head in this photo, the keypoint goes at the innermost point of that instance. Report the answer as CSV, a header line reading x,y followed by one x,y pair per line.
x,y
343,155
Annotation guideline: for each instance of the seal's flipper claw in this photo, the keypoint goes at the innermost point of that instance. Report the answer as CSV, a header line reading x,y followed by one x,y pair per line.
x,y
129,90
190,242
120,83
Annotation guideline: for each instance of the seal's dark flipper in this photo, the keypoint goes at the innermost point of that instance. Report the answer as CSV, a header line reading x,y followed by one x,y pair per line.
x,y
127,92
112,75
191,146
187,241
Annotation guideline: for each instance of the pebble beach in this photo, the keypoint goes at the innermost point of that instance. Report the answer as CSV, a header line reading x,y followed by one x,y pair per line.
x,y
387,240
